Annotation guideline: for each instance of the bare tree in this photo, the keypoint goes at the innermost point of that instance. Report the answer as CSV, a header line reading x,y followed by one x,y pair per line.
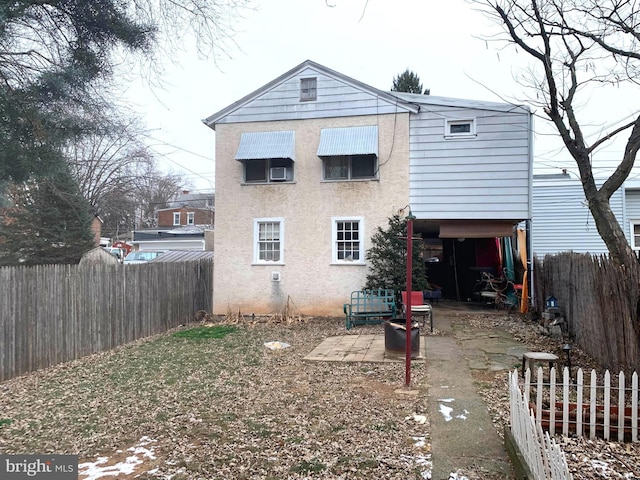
x,y
108,161
577,44
153,191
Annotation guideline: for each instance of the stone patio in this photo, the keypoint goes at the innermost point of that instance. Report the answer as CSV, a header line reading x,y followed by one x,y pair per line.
x,y
356,348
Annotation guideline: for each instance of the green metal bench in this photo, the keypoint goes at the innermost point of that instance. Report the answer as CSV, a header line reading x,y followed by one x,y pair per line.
x,y
370,307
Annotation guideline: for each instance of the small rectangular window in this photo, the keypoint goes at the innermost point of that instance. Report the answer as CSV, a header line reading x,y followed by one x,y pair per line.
x,y
348,246
176,218
460,128
268,242
191,218
308,89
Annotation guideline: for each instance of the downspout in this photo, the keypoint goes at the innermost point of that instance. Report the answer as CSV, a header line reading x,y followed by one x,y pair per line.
x,y
528,226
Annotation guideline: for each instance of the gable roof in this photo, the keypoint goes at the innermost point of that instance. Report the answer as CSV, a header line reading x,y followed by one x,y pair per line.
x,y
386,96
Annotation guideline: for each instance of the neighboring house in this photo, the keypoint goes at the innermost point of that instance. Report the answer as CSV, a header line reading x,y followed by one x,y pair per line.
x,y
198,200
185,216
184,225
180,238
312,163
563,222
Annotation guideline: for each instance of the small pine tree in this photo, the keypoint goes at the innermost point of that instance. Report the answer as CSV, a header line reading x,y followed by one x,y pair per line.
x,y
49,223
387,259
408,82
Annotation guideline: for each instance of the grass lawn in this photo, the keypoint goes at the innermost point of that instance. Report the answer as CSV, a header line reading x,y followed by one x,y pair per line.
x,y
215,403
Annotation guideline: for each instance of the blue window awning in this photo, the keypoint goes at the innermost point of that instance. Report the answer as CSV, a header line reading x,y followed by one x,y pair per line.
x,y
263,145
348,141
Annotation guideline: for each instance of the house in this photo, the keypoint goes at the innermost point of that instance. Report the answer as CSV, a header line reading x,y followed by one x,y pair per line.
x,y
185,224
563,222
311,164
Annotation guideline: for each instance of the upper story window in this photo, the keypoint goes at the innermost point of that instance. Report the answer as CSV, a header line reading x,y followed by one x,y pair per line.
x,y
350,167
176,218
191,218
268,170
463,128
268,243
308,89
267,156
635,235
349,153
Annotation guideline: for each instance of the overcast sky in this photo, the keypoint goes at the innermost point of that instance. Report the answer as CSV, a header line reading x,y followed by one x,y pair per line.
x,y
437,39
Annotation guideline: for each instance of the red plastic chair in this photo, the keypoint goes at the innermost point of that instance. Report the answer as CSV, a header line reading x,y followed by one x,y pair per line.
x,y
418,307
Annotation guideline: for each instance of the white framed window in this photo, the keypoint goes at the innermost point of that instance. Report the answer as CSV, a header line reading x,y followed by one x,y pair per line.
x,y
460,128
176,218
635,234
268,241
191,218
308,89
347,240
350,167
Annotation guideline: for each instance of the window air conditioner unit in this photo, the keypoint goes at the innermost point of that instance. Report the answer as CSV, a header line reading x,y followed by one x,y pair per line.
x,y
278,173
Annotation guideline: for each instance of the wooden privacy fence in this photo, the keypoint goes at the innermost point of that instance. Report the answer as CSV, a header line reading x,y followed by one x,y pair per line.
x,y
543,455
602,408
599,302
56,313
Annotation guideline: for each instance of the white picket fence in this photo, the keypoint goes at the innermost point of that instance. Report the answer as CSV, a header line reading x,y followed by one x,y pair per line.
x,y
604,411
542,454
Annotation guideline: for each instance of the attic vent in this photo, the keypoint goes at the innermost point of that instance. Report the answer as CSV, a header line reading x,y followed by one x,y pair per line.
x,y
275,276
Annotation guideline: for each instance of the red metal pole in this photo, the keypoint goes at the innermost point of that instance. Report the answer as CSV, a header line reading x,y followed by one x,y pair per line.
x,y
408,318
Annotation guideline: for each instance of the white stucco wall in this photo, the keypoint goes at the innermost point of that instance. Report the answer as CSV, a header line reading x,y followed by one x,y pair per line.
x,y
308,278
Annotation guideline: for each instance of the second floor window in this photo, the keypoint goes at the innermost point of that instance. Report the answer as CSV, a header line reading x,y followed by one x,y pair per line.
x,y
350,167
267,156
268,170
176,218
191,218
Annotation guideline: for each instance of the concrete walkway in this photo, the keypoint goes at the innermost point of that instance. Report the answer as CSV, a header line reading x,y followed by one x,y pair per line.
x,y
462,433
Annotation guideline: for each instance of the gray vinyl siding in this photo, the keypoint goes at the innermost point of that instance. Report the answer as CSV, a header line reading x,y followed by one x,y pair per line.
x,y
335,98
485,177
561,220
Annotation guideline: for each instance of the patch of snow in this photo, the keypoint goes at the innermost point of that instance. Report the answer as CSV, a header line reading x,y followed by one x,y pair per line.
x,y
447,400
457,476
419,442
421,419
463,415
95,470
446,412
